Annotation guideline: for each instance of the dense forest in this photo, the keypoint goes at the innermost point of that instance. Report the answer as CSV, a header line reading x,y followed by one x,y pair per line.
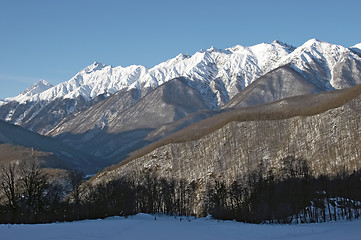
x,y
289,195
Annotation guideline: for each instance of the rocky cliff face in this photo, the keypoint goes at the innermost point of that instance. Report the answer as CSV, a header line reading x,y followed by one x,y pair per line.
x,y
327,135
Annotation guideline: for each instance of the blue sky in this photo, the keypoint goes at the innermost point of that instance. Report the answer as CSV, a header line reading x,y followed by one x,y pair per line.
x,y
53,40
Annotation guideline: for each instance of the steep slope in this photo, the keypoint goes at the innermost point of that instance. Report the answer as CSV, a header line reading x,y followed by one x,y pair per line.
x,y
314,67
109,134
170,128
41,116
280,83
325,64
323,129
15,135
98,115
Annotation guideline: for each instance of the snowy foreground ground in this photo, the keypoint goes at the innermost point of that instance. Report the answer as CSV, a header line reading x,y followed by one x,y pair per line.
x,y
143,226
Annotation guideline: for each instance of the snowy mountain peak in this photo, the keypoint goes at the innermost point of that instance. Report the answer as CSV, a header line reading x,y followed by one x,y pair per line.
x,y
322,50
45,82
179,57
282,44
39,87
313,41
214,49
94,67
34,90
356,48
278,42
316,60
318,47
236,48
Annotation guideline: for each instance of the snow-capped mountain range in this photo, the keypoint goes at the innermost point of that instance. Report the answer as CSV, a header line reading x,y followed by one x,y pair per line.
x,y
236,67
217,74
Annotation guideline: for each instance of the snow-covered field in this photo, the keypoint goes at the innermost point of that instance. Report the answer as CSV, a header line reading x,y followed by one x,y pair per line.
x,y
143,226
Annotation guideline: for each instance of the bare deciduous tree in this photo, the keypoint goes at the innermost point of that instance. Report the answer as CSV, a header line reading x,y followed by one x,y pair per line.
x,y
34,184
8,185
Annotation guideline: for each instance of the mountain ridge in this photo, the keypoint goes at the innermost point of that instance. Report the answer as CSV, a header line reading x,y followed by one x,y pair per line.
x,y
143,75
218,76
261,53
102,106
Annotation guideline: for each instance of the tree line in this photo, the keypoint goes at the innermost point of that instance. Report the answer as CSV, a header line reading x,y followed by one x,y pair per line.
x,y
290,194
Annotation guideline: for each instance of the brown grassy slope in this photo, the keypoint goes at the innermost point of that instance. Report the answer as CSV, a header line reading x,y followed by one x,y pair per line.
x,y
10,153
306,105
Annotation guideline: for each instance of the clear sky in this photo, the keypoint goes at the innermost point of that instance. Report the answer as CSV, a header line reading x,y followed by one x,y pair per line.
x,y
55,39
